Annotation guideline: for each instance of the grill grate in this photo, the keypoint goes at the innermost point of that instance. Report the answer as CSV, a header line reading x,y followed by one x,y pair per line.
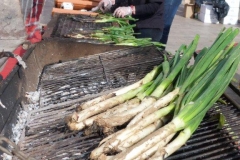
x,y
46,136
76,26
86,76
210,142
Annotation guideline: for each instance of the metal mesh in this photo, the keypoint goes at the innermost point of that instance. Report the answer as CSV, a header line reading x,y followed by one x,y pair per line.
x,y
76,27
46,136
210,141
86,76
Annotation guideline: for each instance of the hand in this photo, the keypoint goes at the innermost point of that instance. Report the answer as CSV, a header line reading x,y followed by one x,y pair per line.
x,y
95,9
105,5
122,12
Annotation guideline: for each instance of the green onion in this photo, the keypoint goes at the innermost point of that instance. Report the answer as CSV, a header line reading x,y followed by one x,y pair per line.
x,y
206,81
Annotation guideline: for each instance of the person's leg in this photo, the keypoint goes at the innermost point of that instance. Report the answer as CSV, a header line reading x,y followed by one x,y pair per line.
x,y
170,9
155,34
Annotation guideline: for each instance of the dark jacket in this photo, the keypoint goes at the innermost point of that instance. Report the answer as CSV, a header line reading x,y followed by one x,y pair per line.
x,y
148,12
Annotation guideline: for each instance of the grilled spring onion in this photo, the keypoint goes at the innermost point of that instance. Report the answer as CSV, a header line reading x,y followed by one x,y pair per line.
x,y
150,76
183,94
122,34
78,117
207,83
190,113
117,120
108,18
185,134
75,121
148,101
178,64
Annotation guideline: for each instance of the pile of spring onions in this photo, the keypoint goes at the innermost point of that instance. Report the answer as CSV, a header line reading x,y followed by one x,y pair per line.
x,y
121,32
159,113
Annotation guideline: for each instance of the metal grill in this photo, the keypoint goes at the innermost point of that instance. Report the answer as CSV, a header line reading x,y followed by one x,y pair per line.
x,y
46,136
94,74
76,26
211,142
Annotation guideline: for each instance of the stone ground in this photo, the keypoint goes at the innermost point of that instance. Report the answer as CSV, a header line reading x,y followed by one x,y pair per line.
x,y
184,29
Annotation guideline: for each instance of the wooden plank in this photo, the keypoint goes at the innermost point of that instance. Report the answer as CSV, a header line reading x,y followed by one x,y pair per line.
x,y
65,11
78,4
77,1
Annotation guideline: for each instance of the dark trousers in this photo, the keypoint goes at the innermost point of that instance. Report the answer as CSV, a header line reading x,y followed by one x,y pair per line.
x,y
155,34
170,9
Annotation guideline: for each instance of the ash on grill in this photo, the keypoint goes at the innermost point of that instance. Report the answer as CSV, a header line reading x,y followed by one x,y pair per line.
x,y
17,129
64,85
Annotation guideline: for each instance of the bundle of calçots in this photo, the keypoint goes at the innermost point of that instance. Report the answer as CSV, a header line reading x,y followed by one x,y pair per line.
x,y
159,113
119,33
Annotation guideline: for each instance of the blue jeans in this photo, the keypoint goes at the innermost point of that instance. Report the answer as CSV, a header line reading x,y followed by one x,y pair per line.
x,y
170,9
155,34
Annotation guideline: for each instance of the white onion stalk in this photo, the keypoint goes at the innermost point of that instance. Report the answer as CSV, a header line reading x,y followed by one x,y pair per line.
x,y
147,154
76,120
100,150
73,125
121,96
116,110
120,119
150,76
180,140
140,134
107,104
177,143
111,122
150,141
97,152
109,137
162,102
94,101
144,122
